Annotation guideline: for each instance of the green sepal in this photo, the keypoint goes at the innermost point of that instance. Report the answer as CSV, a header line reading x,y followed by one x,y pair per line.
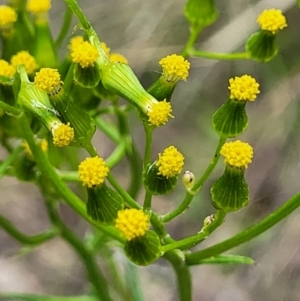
x,y
103,204
143,250
261,46
25,168
230,192
44,50
120,79
87,77
35,101
158,184
83,124
162,89
200,13
6,80
231,119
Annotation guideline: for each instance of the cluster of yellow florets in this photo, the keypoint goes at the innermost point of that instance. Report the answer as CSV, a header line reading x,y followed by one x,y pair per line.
x,y
63,135
272,20
6,69
84,54
48,79
8,16
74,42
105,48
24,58
43,145
118,58
243,88
237,153
92,171
38,6
160,113
132,223
170,162
175,68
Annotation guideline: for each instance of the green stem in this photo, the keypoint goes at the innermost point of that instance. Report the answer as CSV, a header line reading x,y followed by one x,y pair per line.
x,y
147,201
148,145
25,239
226,259
117,155
248,234
183,275
65,27
69,176
195,239
190,194
9,160
220,56
64,191
108,129
92,269
9,108
191,41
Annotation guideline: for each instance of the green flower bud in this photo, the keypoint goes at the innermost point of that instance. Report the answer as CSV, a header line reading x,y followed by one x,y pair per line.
x,y
231,119
230,192
200,13
87,77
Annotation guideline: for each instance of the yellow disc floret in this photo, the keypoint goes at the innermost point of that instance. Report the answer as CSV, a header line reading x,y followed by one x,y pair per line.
x,y
48,79
24,58
8,16
159,113
6,69
63,135
175,68
84,54
243,88
105,48
237,153
74,42
132,223
170,162
272,20
117,57
92,171
38,6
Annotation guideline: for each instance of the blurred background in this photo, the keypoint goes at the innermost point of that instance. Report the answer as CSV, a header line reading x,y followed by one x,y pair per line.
x,y
146,31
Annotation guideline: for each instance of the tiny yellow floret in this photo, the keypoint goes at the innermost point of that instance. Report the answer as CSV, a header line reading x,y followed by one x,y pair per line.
x,y
243,88
44,145
92,171
8,16
170,162
117,57
38,6
272,20
74,42
63,135
159,113
48,79
175,68
132,223
24,58
237,153
6,69
84,54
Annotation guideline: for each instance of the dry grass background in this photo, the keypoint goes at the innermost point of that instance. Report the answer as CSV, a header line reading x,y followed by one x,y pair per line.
x,y
145,31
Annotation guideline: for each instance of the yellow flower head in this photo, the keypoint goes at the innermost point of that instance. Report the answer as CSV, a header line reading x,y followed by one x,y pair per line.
x,y
24,58
159,113
170,162
237,153
48,79
243,88
84,54
175,68
63,135
132,223
272,20
8,16
92,171
117,57
6,69
38,6
74,42
105,48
